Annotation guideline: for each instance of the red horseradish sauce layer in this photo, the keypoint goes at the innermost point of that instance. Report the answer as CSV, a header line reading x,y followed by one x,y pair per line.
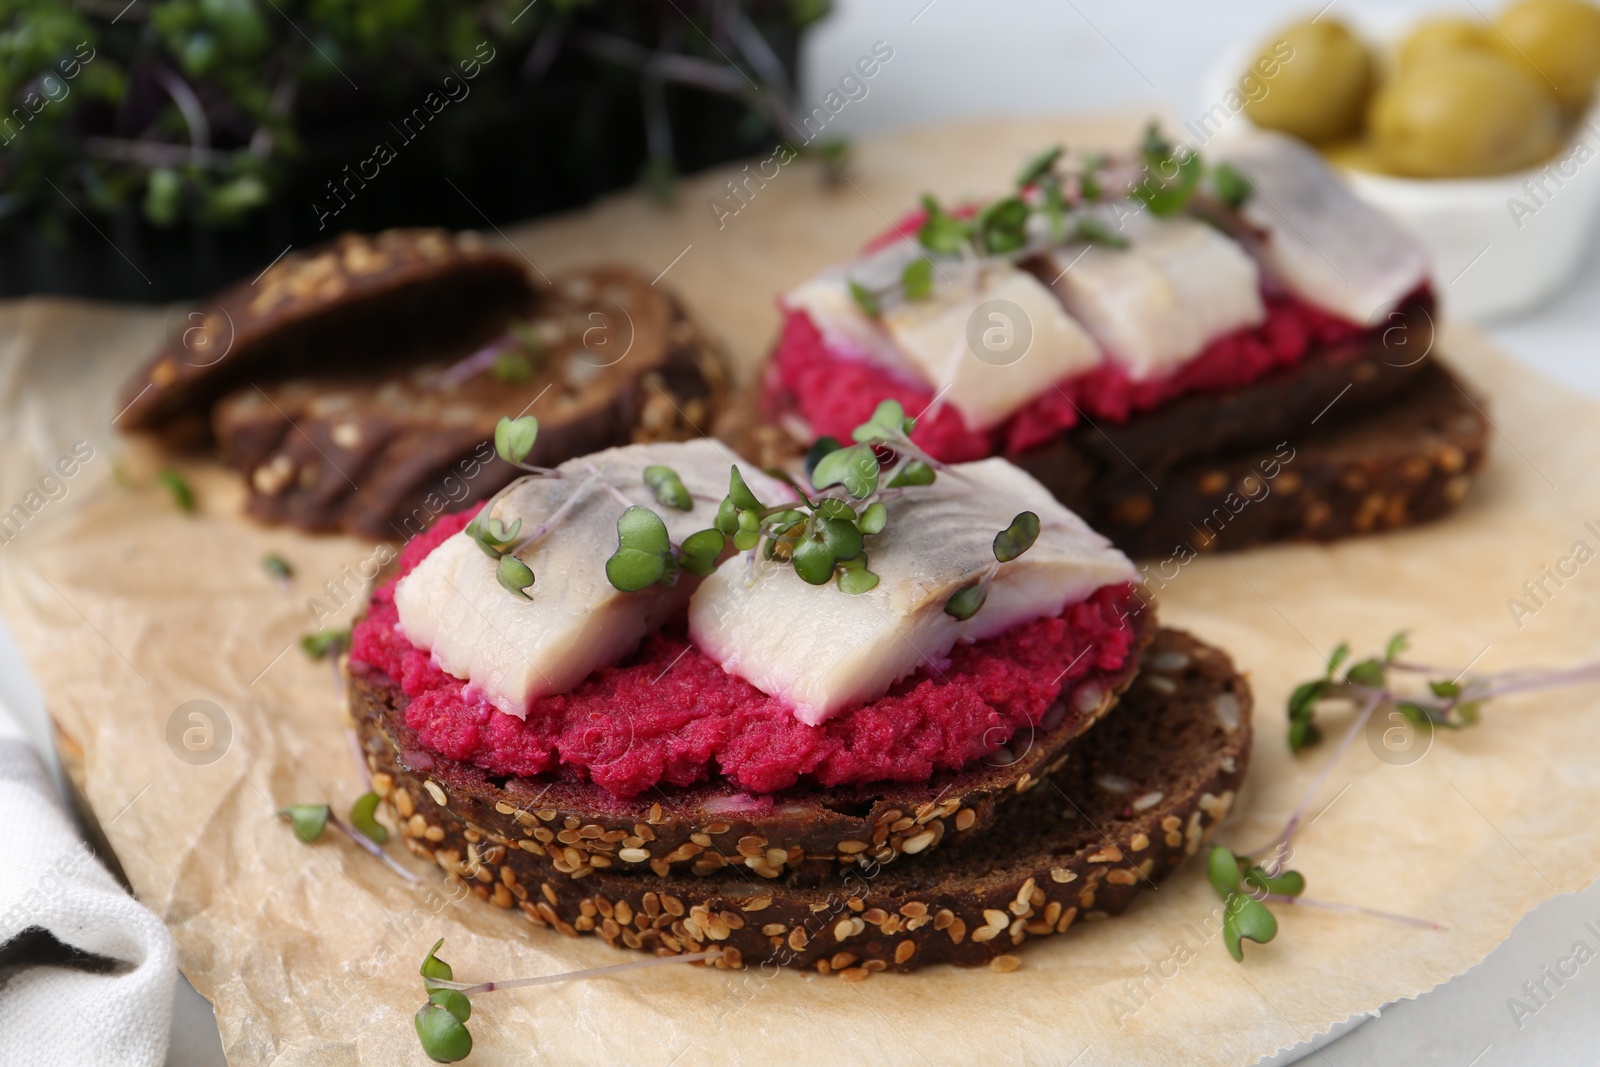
x,y
671,715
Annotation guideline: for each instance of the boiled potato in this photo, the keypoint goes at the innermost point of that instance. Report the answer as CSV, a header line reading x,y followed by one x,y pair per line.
x,y
1559,41
1322,75
1461,114
1445,33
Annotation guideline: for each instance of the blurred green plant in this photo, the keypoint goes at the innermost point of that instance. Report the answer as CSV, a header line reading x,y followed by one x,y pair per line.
x,y
195,110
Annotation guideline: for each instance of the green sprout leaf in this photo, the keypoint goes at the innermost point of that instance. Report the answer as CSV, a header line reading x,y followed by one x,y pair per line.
x,y
820,448
874,518
513,438
740,493
1039,166
1246,919
453,1001
1055,208
182,495
832,508
940,231
1283,884
1397,646
749,531
308,820
1097,231
1002,225
277,566
434,969
1340,654
492,536
644,552
727,519
914,473
1232,187
324,643
514,576
1369,672
854,578
444,1037
363,816
699,551
1017,538
888,423
865,299
855,468
512,368
1222,870
1171,175
917,279
965,602
669,488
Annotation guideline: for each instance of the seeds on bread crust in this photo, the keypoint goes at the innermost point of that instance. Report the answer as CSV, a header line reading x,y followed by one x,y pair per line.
x,y
1046,861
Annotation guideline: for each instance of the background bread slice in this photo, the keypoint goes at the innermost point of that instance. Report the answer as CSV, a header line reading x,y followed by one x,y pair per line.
x,y
572,827
1135,797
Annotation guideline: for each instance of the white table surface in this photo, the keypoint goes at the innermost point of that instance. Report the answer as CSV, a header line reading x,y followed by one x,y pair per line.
x,y
967,58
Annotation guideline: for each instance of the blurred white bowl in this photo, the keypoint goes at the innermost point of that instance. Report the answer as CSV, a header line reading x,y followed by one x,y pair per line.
x,y
1500,246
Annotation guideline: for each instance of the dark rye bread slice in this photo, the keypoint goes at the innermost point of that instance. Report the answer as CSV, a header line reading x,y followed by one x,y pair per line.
x,y
1135,797
1403,463
571,827
617,362
356,299
334,381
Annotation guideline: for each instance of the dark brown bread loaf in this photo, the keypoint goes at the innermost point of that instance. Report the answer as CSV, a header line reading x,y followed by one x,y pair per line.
x,y
1135,797
570,827
338,382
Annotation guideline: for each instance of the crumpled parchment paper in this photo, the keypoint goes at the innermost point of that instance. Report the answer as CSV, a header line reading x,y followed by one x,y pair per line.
x,y
127,611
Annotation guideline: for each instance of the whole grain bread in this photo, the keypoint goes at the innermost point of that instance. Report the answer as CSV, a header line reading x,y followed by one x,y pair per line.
x,y
617,362
355,385
1134,798
571,826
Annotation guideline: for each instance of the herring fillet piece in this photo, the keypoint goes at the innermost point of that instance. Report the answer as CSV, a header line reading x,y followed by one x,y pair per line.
x,y
990,342
1321,241
845,328
516,650
822,650
1157,303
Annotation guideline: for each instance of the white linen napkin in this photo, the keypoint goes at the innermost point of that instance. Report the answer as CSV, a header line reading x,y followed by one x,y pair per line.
x,y
86,972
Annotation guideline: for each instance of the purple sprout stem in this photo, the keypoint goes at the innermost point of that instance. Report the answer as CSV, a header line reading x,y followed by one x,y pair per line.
x,y
478,362
1293,825
469,989
371,846
1353,909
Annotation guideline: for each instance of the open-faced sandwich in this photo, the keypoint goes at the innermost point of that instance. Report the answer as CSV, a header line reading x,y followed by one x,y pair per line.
x,y
356,385
1189,354
907,713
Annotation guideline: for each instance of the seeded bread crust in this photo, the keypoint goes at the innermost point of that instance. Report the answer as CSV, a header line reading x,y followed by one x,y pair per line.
x,y
324,382
571,827
412,288
1135,797
1382,436
381,456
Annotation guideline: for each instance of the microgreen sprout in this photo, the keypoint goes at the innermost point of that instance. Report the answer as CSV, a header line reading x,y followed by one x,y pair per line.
x,y
822,535
278,568
512,368
1452,701
514,576
441,1023
325,643
1009,543
182,495
669,488
310,821
1054,188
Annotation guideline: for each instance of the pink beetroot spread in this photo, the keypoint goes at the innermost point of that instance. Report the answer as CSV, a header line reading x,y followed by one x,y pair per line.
x,y
835,394
670,715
